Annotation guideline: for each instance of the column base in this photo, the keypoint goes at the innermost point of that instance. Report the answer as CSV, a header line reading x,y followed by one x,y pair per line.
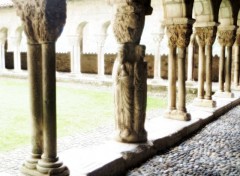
x,y
204,103
190,83
220,94
177,115
127,136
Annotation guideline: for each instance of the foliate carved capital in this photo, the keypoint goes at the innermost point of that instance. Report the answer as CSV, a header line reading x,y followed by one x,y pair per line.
x,y
129,21
206,35
179,35
43,20
226,37
238,39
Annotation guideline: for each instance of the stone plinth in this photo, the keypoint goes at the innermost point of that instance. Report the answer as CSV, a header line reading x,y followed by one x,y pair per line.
x,y
204,103
177,115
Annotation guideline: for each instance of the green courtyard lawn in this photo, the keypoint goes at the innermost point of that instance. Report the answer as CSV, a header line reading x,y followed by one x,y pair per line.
x,y
78,109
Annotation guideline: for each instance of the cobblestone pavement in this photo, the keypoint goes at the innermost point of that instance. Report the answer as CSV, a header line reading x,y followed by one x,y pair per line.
x,y
214,151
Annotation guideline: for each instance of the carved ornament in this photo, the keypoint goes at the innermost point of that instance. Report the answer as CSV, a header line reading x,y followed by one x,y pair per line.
x,y
226,37
206,35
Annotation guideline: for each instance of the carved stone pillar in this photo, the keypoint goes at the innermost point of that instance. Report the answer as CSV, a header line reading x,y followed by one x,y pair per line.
x,y
130,70
16,41
205,39
191,58
226,38
42,34
237,60
178,39
157,38
100,55
3,38
74,42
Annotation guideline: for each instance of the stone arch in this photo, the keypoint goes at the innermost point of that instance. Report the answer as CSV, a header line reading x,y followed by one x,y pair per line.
x,y
104,27
226,13
80,28
177,8
3,34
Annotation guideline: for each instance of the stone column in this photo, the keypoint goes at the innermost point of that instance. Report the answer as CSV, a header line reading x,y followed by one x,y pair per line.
x,y
3,38
236,60
178,38
16,41
42,34
191,58
130,70
205,38
100,55
157,38
226,38
74,41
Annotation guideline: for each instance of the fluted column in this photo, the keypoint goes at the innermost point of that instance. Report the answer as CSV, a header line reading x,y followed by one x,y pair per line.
x,y
100,54
42,34
236,60
157,38
226,38
205,38
178,39
130,70
74,42
16,41
3,38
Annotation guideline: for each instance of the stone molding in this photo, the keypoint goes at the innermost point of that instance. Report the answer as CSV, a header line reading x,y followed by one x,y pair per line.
x,y
206,35
43,20
179,35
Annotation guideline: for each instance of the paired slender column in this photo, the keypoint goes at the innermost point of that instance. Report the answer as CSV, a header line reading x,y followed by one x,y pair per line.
x,y
237,60
157,56
16,53
191,49
74,42
179,38
226,38
205,38
100,55
42,78
3,38
130,71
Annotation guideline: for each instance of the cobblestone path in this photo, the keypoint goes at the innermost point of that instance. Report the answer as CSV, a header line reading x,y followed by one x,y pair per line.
x,y
214,151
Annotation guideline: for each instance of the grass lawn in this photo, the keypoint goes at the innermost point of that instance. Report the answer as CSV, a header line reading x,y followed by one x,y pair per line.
x,y
78,109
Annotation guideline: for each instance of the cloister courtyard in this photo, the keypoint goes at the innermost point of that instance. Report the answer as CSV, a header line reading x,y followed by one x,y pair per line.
x,y
99,87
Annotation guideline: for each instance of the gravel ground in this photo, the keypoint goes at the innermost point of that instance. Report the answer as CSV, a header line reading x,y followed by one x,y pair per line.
x,y
214,151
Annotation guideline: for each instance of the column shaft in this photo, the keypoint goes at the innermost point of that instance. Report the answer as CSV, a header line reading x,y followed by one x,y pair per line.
x,y
2,55
228,69
49,101
221,69
17,59
201,62
100,61
190,62
181,79
172,78
236,65
35,82
208,72
157,63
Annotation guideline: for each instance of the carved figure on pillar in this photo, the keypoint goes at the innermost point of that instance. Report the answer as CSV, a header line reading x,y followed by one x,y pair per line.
x,y
226,38
43,21
178,38
130,70
205,39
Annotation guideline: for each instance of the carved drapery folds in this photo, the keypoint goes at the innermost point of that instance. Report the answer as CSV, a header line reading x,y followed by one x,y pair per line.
x,y
205,38
178,37
130,70
43,22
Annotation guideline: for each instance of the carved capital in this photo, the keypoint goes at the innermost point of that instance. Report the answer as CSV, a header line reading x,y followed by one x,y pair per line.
x,y
238,39
179,35
226,37
43,20
206,35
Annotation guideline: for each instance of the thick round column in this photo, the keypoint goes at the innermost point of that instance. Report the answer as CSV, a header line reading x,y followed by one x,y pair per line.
x,y
228,69
181,79
49,101
221,69
35,83
201,63
236,65
172,78
208,72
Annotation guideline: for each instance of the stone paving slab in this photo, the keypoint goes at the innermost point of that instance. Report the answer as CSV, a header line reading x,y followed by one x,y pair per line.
x,y
113,158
